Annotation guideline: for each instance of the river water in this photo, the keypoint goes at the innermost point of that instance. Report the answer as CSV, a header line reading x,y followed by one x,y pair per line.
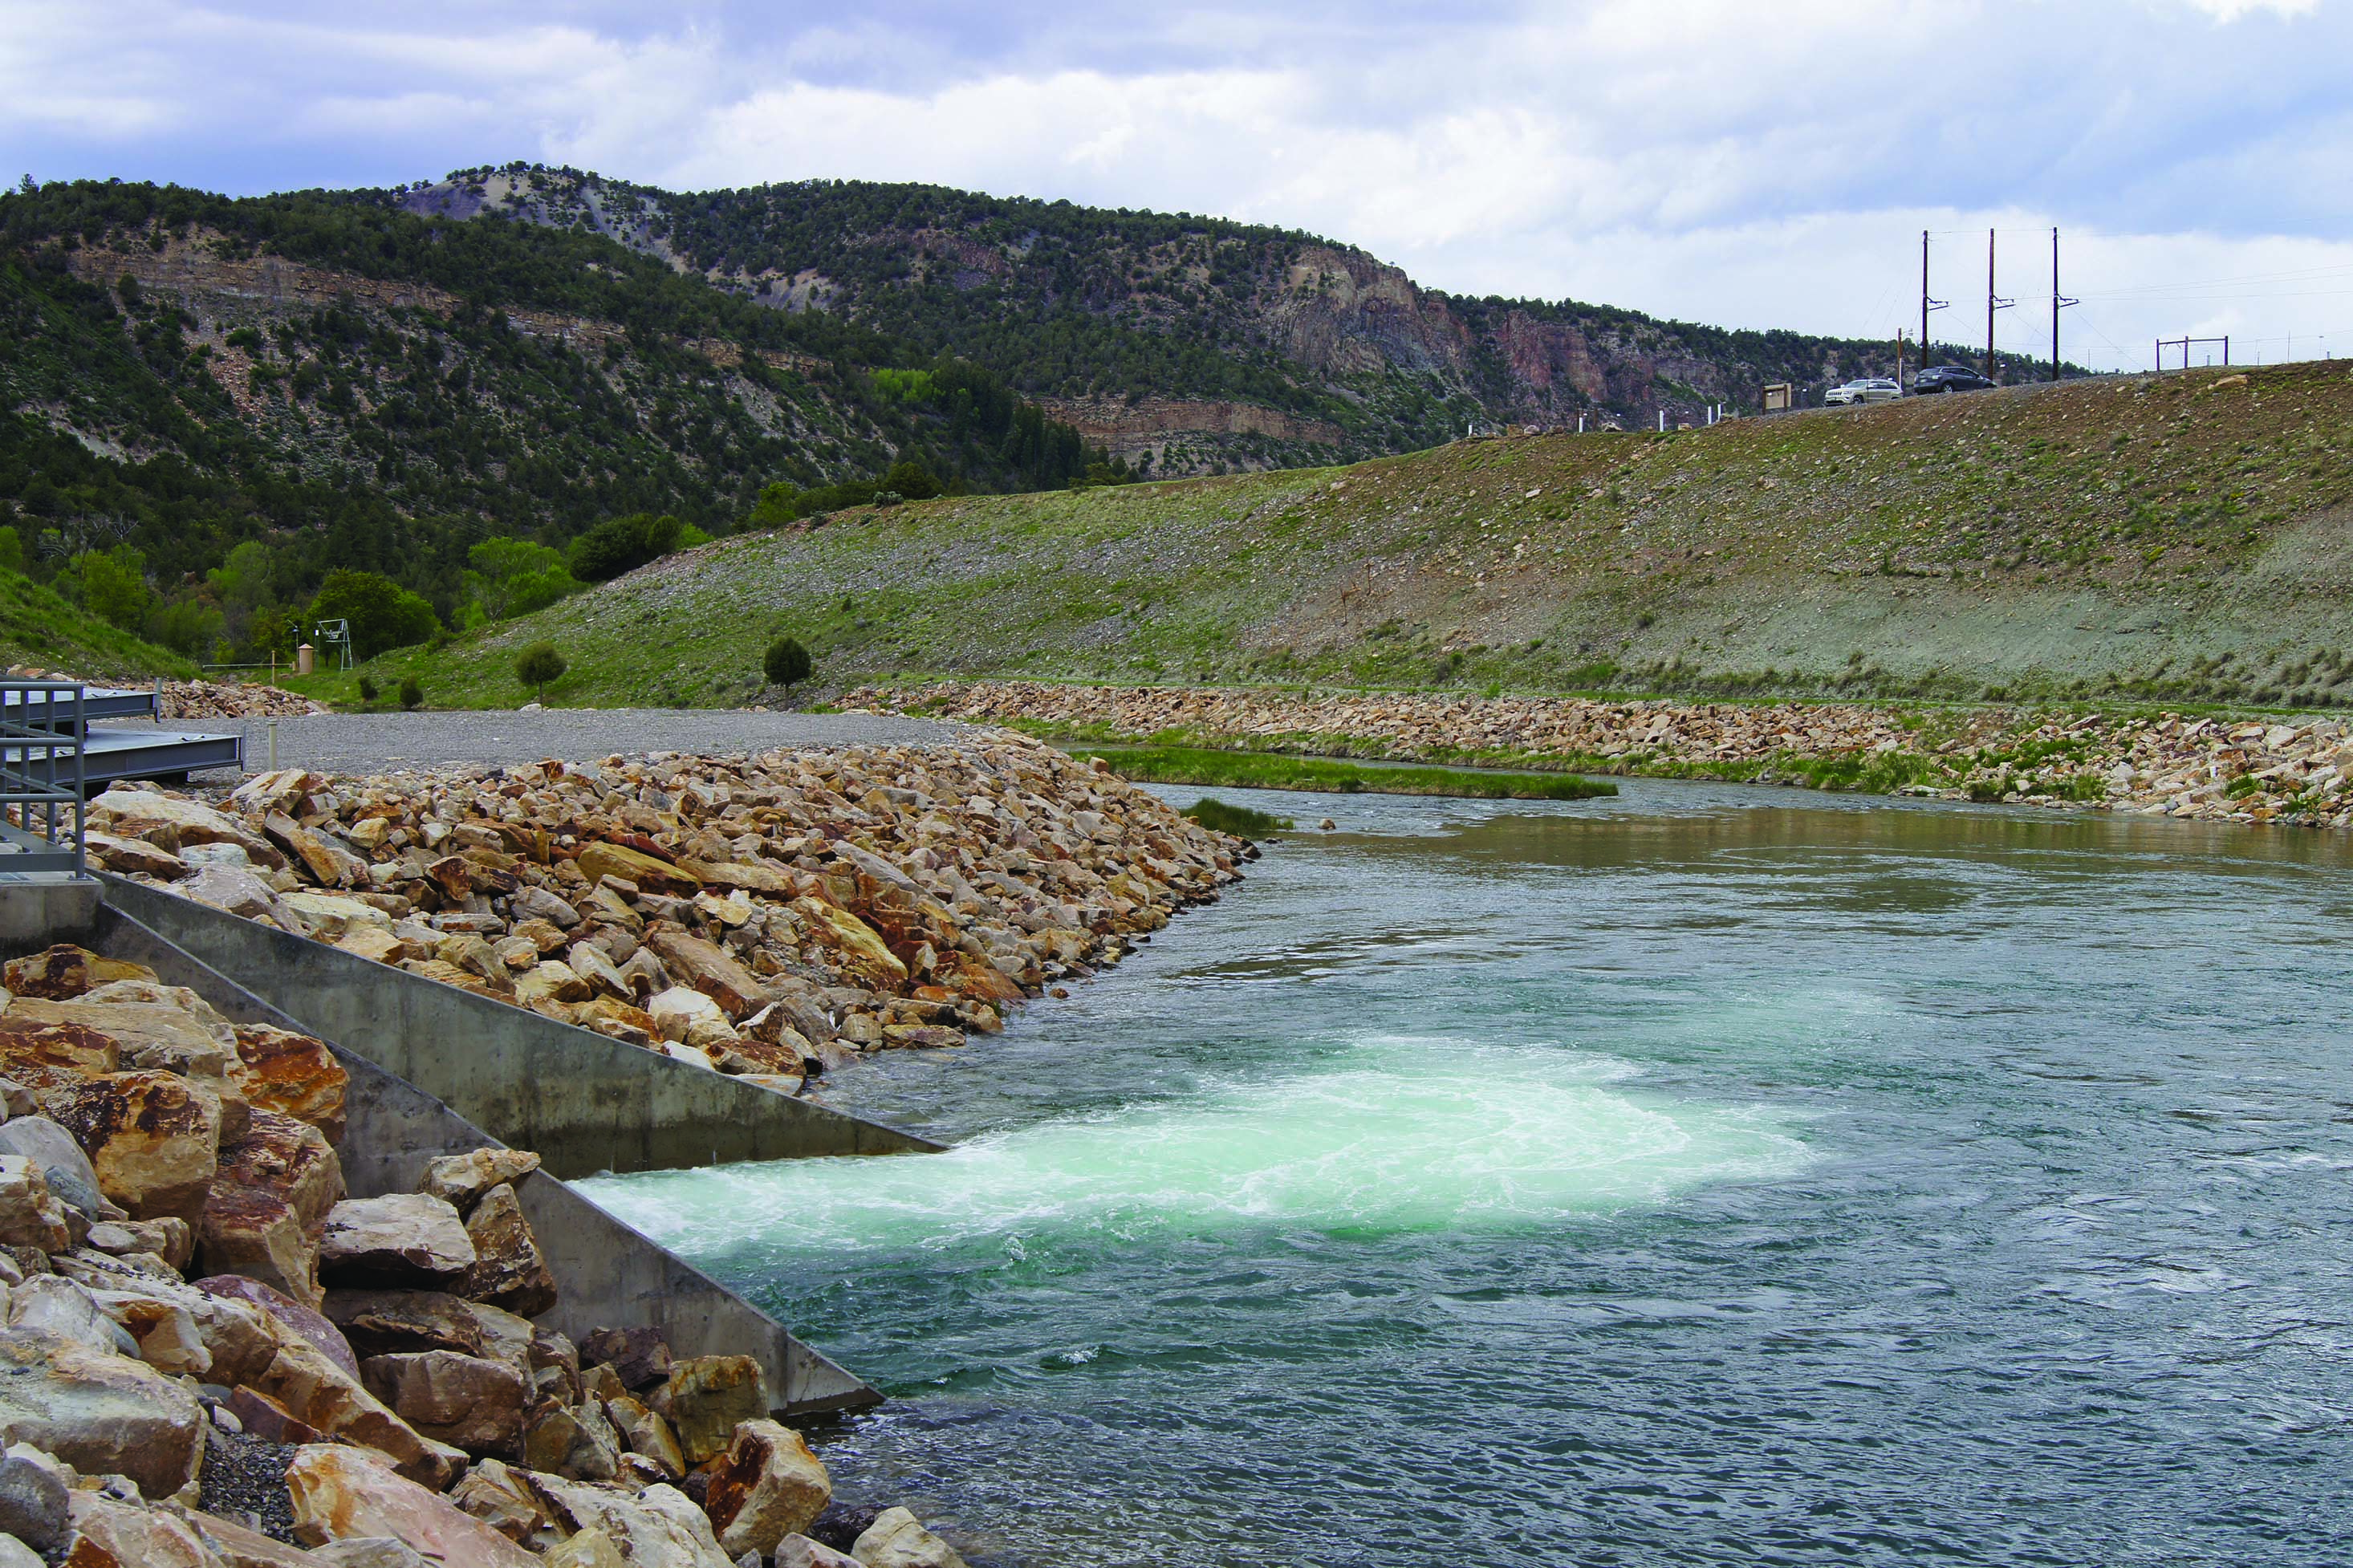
x,y
1707,1175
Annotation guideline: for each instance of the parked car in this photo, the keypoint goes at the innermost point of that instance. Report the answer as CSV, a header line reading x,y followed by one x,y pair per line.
x,y
1869,389
1948,378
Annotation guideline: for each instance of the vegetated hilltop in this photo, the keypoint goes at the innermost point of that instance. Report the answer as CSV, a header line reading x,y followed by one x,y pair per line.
x,y
1195,343
2184,537
356,387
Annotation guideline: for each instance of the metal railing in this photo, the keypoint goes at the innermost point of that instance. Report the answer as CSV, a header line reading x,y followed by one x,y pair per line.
x,y
42,776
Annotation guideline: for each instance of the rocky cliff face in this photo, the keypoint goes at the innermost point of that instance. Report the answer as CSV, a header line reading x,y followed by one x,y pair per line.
x,y
1154,332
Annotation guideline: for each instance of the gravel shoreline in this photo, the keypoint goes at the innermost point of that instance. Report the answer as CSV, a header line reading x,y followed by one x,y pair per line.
x,y
376,743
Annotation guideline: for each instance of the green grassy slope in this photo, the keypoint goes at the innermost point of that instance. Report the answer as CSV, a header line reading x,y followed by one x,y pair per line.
x,y
39,629
2185,537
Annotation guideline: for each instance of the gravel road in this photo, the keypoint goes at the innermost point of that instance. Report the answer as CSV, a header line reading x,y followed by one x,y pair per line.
x,y
378,743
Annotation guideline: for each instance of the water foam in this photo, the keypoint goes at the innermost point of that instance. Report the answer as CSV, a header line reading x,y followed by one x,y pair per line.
x,y
1395,1135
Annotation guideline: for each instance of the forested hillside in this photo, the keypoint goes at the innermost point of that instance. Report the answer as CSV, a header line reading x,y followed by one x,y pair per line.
x,y
1193,343
420,410
349,387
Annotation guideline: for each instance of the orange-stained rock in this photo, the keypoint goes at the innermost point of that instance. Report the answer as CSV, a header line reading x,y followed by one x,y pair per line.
x,y
152,1137
64,972
340,1494
289,1157
162,1028
72,1049
310,855
254,1233
766,1486
297,1074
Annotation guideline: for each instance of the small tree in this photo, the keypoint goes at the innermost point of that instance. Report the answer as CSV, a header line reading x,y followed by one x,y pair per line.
x,y
788,663
538,665
412,694
368,690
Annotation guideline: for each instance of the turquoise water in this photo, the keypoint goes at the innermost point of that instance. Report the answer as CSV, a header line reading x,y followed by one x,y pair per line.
x,y
1708,1175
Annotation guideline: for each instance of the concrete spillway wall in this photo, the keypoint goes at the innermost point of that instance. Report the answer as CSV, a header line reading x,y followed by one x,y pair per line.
x,y
585,1103
609,1274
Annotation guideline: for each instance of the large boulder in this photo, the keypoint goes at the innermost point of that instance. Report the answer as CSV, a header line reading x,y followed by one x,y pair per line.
x,y
767,1485
800,1552
710,970
574,1440
154,1139
63,1165
640,1357
706,1398
269,1204
294,1075
600,861
460,1180
112,1531
500,1498
659,1528
64,972
342,1494
30,1215
322,1395
288,1314
102,1413
464,1400
509,1270
646,1435
146,1029
66,1050
394,1322
241,893
400,1239
897,1539
33,1491
175,823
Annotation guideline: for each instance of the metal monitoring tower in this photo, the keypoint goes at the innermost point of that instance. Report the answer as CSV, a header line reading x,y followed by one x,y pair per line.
x,y
335,634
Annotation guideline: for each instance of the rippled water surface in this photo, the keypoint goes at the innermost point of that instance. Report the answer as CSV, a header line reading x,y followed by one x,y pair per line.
x,y
1708,1175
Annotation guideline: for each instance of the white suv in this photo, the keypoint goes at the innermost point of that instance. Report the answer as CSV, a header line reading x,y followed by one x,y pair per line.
x,y
1870,389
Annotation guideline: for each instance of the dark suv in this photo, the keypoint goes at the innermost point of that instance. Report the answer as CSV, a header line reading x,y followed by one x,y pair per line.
x,y
1949,378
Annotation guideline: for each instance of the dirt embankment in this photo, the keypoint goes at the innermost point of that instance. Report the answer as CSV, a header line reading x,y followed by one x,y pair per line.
x,y
2214,769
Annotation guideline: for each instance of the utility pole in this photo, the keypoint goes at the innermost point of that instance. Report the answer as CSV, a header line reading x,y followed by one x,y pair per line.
x,y
1899,356
1926,304
1993,303
2058,302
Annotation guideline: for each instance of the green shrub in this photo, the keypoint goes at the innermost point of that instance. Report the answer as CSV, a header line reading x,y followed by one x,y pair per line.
x,y
412,694
621,545
788,663
369,689
539,664
383,614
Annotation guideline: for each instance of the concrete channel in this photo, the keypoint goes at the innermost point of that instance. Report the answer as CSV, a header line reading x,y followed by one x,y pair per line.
x,y
436,1070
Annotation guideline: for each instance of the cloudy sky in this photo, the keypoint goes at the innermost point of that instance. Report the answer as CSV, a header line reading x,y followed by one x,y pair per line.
x,y
1753,163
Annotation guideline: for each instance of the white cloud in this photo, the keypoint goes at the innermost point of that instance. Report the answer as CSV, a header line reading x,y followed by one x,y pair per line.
x,y
1713,160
